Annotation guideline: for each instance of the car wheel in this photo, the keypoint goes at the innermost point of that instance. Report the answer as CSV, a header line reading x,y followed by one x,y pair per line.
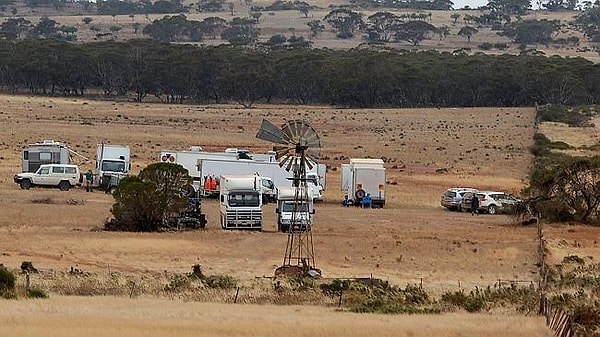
x,y
25,184
492,209
459,208
64,185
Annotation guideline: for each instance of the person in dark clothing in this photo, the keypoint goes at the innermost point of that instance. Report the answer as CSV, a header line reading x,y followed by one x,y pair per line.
x,y
474,204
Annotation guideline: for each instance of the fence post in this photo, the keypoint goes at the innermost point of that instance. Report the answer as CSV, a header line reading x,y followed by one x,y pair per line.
x,y
236,295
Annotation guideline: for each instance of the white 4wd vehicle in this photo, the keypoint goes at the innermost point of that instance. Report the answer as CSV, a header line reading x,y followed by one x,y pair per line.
x,y
62,176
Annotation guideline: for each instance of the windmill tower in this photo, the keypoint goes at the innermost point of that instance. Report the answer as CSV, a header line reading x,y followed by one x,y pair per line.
x,y
297,146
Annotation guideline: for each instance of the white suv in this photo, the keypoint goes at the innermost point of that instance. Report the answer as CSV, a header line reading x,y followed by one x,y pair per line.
x,y
491,202
62,176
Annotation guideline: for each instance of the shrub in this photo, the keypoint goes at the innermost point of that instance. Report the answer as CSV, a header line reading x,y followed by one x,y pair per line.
x,y
301,283
474,304
36,293
8,294
7,279
485,46
177,282
220,282
335,288
457,298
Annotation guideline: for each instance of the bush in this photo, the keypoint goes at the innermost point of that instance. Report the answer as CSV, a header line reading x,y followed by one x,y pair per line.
x,y
485,46
335,288
221,282
457,298
301,283
474,304
8,294
177,282
36,293
7,279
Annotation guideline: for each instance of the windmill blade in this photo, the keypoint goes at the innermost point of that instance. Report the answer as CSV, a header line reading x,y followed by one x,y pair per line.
x,y
271,133
281,151
284,160
289,165
309,164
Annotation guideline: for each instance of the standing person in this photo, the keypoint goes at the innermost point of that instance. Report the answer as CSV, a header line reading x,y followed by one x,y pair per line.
x,y
474,204
89,177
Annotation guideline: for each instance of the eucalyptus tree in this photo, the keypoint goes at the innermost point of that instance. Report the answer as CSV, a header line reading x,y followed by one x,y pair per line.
x,y
345,21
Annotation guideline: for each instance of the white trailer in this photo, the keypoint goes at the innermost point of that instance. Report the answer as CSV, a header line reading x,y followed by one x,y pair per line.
x,y
362,177
274,175
290,201
113,163
189,159
241,202
47,152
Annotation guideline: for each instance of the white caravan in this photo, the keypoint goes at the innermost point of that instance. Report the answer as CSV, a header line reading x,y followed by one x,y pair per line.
x,y
362,177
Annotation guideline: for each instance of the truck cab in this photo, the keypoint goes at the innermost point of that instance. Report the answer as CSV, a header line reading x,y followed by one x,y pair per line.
x,y
113,163
241,203
292,203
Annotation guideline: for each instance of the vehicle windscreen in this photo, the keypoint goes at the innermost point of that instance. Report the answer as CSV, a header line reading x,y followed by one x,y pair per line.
x,y
113,166
289,207
244,199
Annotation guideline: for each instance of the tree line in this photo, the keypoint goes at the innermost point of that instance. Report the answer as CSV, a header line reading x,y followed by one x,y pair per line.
x,y
363,77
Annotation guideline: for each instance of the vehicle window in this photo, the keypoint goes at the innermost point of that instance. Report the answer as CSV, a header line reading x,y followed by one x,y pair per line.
x,y
268,184
497,196
58,169
289,207
238,199
70,170
25,155
113,166
45,156
451,194
44,170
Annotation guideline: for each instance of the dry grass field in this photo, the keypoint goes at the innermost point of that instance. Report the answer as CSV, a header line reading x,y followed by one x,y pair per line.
x,y
412,240
77,316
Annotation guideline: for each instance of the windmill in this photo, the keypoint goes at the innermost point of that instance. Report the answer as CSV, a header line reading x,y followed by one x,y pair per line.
x,y
297,146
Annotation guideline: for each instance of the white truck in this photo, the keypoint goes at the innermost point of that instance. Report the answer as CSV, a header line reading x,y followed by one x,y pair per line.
x,y
46,152
293,204
364,177
274,176
113,163
189,159
241,202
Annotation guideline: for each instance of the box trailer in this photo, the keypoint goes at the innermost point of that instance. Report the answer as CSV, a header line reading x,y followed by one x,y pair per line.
x,y
47,152
189,159
274,175
364,177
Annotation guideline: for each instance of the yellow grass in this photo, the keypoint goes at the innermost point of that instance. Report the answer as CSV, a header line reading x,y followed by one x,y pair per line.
x,y
106,316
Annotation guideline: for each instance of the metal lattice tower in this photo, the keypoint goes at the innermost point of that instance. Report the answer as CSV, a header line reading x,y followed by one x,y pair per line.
x,y
297,147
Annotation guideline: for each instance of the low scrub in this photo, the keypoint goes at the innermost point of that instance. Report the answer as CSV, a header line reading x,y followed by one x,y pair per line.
x,y
220,282
7,279
36,293
523,298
